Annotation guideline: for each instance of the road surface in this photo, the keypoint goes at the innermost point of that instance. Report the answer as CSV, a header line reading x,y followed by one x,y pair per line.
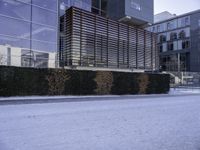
x,y
148,123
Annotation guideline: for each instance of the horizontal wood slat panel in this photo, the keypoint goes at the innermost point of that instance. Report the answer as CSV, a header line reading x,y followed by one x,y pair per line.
x,y
93,41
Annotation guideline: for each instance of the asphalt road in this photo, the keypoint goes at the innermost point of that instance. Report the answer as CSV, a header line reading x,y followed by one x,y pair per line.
x,y
130,123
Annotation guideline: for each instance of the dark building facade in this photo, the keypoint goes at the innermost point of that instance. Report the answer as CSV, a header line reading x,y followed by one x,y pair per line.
x,y
134,12
179,42
94,41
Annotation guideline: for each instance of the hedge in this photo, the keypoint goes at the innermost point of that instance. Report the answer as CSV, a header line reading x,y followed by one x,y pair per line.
x,y
16,81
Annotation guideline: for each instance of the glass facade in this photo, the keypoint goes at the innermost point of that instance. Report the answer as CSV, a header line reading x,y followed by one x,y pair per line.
x,y
29,29
83,4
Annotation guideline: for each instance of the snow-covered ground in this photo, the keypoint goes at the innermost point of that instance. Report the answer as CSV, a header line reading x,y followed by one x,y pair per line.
x,y
184,91
162,123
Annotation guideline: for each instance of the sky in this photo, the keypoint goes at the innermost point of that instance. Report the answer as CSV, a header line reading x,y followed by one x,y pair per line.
x,y
177,7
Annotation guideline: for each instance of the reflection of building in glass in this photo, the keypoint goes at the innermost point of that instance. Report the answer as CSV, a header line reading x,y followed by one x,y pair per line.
x,y
178,42
30,25
13,56
93,41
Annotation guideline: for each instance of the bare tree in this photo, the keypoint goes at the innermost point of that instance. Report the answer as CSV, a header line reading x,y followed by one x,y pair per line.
x,y
2,60
104,82
143,81
56,81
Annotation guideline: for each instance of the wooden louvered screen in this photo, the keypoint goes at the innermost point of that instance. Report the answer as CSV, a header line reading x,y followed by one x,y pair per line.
x,y
95,41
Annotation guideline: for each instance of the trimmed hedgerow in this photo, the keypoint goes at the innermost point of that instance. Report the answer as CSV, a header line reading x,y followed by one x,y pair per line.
x,y
16,81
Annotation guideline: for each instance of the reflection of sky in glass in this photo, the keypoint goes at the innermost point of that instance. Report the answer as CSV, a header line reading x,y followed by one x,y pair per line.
x,y
16,23
83,4
15,9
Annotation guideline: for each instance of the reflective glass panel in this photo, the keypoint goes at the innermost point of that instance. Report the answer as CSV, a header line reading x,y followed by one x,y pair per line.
x,y
15,9
43,16
43,46
14,42
44,33
14,27
48,4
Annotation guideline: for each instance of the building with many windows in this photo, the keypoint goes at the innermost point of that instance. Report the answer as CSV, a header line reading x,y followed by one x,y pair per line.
x,y
30,29
179,42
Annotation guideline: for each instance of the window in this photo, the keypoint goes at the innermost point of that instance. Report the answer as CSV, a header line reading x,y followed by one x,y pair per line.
x,y
164,47
187,22
135,5
158,28
169,26
182,34
185,44
160,47
153,29
172,25
199,22
173,36
170,46
162,38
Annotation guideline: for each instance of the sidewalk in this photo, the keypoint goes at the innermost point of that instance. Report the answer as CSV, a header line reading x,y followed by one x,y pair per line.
x,y
60,99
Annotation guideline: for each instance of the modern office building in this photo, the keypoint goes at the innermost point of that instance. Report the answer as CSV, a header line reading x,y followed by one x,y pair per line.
x,y
94,41
135,12
30,29
132,12
179,42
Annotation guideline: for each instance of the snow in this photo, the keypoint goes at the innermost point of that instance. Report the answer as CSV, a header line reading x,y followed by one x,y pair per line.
x,y
149,123
52,97
184,91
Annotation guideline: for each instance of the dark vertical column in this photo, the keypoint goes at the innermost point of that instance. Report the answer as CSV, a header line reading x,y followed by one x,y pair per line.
x,y
81,28
107,42
72,11
123,51
136,48
128,57
144,49
118,45
152,51
31,26
156,54
95,40
100,9
101,48
57,63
